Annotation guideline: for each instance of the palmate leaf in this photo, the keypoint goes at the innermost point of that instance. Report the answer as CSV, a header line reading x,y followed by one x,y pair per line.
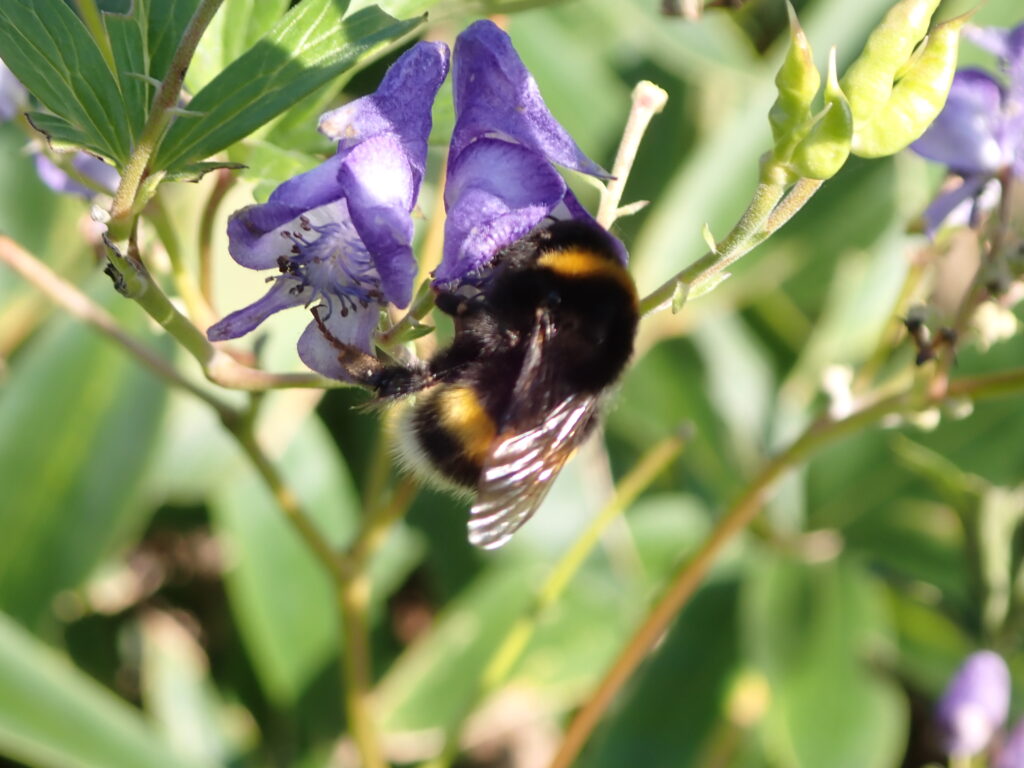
x,y
311,44
50,51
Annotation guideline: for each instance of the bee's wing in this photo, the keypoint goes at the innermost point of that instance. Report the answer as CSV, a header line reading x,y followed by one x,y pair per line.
x,y
540,432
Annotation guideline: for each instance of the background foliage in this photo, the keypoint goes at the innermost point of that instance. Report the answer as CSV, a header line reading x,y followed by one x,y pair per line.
x,y
157,609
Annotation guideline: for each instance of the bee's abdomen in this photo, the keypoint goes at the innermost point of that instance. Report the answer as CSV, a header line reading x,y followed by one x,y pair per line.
x,y
454,431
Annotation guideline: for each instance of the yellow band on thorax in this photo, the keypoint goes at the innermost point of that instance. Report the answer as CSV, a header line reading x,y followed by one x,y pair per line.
x,y
578,262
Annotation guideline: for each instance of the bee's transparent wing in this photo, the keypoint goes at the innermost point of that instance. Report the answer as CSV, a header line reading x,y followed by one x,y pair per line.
x,y
543,427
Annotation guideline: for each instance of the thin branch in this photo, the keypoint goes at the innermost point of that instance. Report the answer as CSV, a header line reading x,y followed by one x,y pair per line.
x,y
137,167
511,648
648,100
691,573
224,179
78,305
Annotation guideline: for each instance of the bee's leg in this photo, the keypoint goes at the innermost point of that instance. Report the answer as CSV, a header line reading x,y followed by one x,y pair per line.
x,y
386,380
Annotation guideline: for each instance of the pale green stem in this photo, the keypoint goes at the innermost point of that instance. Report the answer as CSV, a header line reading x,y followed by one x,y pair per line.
x,y
80,306
690,575
511,649
770,208
134,281
184,282
648,100
137,167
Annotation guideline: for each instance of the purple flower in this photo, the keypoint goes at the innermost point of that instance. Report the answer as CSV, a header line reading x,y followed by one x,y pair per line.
x,y
1011,754
341,233
979,134
104,177
975,703
501,180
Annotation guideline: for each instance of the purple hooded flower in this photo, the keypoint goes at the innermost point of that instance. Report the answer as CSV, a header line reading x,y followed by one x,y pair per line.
x,y
501,181
341,233
975,703
979,134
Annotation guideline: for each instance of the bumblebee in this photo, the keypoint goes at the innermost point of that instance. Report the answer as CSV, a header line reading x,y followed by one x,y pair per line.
x,y
537,347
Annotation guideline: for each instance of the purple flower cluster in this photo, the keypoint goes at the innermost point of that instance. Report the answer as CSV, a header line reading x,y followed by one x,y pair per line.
x,y
341,234
974,708
979,135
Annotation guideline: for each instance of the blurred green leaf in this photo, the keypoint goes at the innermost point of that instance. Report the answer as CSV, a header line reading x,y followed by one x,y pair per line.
x,y
52,714
432,682
236,28
78,420
814,631
178,691
673,705
50,51
308,47
281,596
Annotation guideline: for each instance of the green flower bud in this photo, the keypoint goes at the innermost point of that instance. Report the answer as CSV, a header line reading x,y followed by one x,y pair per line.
x,y
798,82
824,150
916,99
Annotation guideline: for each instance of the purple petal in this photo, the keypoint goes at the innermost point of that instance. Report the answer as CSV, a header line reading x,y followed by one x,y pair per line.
x,y
104,176
975,703
281,295
495,95
254,237
400,105
496,193
380,188
356,328
957,207
966,134
1011,755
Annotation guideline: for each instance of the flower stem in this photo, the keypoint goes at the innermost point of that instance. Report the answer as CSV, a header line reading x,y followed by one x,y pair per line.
x,y
224,180
691,573
80,306
511,649
648,100
137,167
184,282
770,208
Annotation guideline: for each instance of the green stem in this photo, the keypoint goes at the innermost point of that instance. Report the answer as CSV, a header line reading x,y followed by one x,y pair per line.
x,y
286,498
511,649
691,573
137,167
770,208
80,306
224,180
134,281
184,282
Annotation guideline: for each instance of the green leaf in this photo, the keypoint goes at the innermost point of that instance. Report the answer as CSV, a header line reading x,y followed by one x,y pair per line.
x,y
50,51
52,714
178,690
127,35
166,25
308,47
280,594
61,135
433,682
78,419
812,629
676,701
196,171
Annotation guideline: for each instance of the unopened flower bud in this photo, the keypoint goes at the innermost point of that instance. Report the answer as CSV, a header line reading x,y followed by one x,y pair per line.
x,y
823,151
895,89
798,82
